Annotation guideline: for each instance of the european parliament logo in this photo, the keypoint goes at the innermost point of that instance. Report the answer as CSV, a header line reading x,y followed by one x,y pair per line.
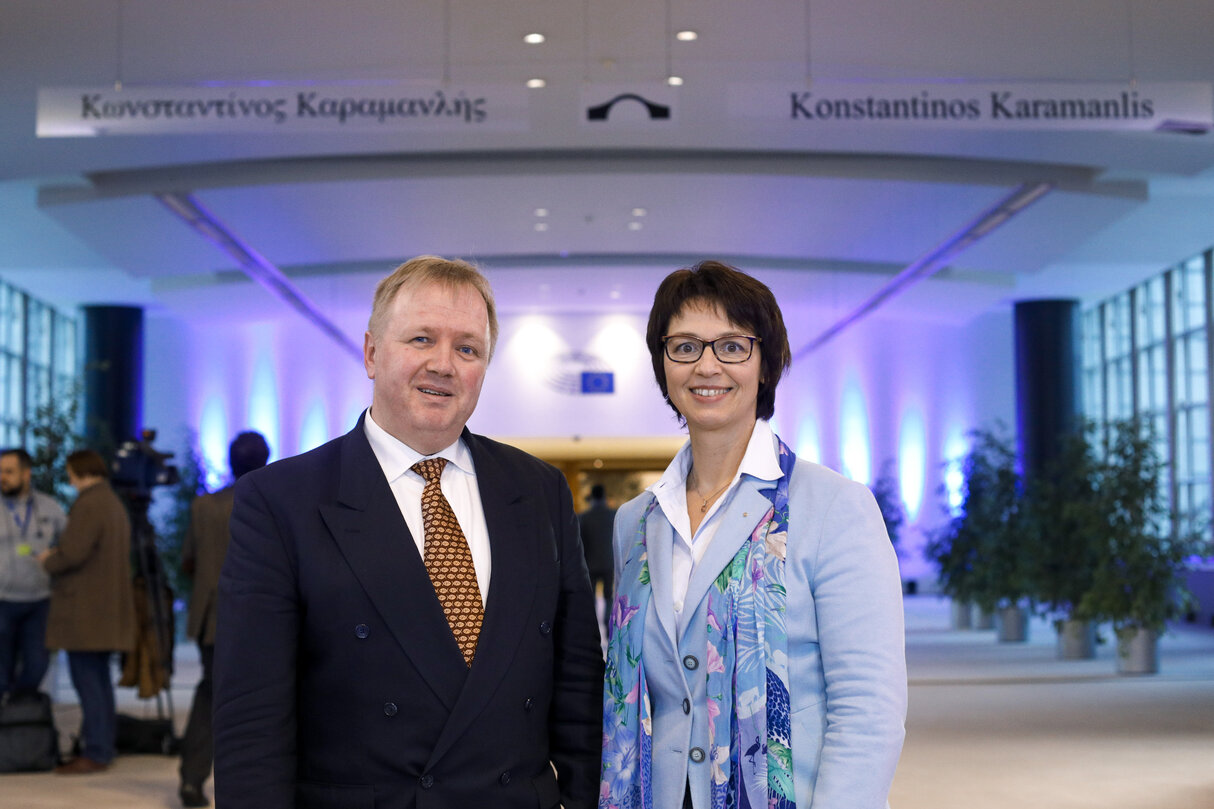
x,y
580,372
598,382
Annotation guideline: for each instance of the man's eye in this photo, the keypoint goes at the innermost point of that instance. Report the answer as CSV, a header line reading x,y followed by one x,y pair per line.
x,y
469,351
421,340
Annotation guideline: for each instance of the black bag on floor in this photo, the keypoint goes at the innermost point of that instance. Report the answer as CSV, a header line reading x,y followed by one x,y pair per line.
x,y
146,736
28,739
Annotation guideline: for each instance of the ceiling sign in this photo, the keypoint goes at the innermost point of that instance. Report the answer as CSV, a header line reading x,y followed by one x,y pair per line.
x,y
1173,106
278,109
611,105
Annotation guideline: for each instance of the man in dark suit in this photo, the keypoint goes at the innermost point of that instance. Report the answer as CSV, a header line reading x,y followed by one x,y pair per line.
x,y
206,542
597,524
339,678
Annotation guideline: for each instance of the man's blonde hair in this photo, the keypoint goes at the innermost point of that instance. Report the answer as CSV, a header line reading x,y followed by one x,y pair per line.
x,y
449,272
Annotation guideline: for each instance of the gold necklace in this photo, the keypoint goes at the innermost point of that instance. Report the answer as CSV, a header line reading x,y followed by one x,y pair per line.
x,y
704,505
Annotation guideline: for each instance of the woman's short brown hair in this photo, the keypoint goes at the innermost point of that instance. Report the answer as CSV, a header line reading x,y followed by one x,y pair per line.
x,y
87,463
745,301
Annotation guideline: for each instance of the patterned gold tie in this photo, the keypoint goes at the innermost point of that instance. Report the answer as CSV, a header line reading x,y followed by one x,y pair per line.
x,y
449,561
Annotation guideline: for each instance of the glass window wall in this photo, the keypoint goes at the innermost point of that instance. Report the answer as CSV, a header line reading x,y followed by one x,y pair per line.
x,y
38,361
1147,353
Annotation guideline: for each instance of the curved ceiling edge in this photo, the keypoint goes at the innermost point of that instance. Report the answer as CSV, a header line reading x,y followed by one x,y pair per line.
x,y
883,167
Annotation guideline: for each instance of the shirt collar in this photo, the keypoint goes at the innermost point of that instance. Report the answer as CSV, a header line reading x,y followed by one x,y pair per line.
x,y
760,461
396,457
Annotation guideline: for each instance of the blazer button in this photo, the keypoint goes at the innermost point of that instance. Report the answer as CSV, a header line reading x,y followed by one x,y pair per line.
x,y
545,628
390,709
686,705
528,704
691,663
362,630
426,781
504,778
697,755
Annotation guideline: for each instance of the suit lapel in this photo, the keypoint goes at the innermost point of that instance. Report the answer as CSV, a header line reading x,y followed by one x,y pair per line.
x,y
368,527
743,513
659,545
513,536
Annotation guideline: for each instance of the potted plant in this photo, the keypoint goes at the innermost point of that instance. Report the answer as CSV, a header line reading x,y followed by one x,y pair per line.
x,y
1067,538
53,435
173,521
1138,584
885,492
978,552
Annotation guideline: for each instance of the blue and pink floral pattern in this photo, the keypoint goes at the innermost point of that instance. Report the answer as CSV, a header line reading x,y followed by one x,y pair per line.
x,y
750,753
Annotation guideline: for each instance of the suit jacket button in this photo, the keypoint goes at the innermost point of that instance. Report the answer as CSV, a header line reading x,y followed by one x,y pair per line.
x,y
686,705
697,755
528,704
390,709
504,778
545,628
691,663
426,781
362,630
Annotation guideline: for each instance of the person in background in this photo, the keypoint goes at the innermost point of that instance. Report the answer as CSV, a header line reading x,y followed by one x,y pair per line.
x,y
756,653
29,524
405,617
206,542
595,525
92,611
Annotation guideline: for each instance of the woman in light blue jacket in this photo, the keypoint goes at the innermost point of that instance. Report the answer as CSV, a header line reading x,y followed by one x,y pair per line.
x,y
756,656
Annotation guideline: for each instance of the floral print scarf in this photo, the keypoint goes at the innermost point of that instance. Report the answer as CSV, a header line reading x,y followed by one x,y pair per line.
x,y
750,749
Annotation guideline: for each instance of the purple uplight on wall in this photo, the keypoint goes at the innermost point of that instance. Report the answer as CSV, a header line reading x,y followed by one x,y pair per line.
x,y
315,428
855,438
912,461
955,450
809,445
264,415
213,440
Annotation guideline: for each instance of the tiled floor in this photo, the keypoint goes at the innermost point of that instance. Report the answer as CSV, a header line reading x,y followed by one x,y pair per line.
x,y
991,726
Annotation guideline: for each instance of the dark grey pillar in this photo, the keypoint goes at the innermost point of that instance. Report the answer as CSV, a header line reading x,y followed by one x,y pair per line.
x,y
1048,364
113,374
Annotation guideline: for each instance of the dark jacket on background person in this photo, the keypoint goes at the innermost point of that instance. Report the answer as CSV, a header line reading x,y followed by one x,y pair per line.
x,y
596,525
206,542
92,604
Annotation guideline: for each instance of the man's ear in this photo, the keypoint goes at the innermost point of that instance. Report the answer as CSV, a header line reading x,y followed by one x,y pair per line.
x,y
369,354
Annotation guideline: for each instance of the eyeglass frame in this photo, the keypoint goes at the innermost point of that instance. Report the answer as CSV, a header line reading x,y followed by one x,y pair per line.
x,y
713,345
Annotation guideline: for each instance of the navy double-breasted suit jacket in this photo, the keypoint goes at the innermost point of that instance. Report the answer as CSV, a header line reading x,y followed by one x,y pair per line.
x,y
337,680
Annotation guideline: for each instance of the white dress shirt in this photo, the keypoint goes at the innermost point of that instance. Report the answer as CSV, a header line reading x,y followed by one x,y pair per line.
x,y
760,461
458,484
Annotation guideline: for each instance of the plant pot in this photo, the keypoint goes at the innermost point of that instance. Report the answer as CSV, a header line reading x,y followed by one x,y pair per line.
x,y
982,619
1012,624
1137,652
1076,640
961,615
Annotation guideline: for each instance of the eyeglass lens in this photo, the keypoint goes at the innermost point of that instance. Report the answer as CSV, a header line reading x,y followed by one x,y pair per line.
x,y
684,348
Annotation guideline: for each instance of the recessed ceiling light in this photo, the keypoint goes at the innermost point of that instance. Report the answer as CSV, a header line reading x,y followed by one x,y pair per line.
x,y
541,226
635,226
639,212
536,84
687,36
614,294
675,81
533,39
541,212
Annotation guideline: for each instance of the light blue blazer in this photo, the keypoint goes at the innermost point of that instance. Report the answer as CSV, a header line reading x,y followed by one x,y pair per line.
x,y
847,662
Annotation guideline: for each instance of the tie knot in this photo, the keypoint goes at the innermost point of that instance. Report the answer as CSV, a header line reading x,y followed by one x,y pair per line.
x,y
431,469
